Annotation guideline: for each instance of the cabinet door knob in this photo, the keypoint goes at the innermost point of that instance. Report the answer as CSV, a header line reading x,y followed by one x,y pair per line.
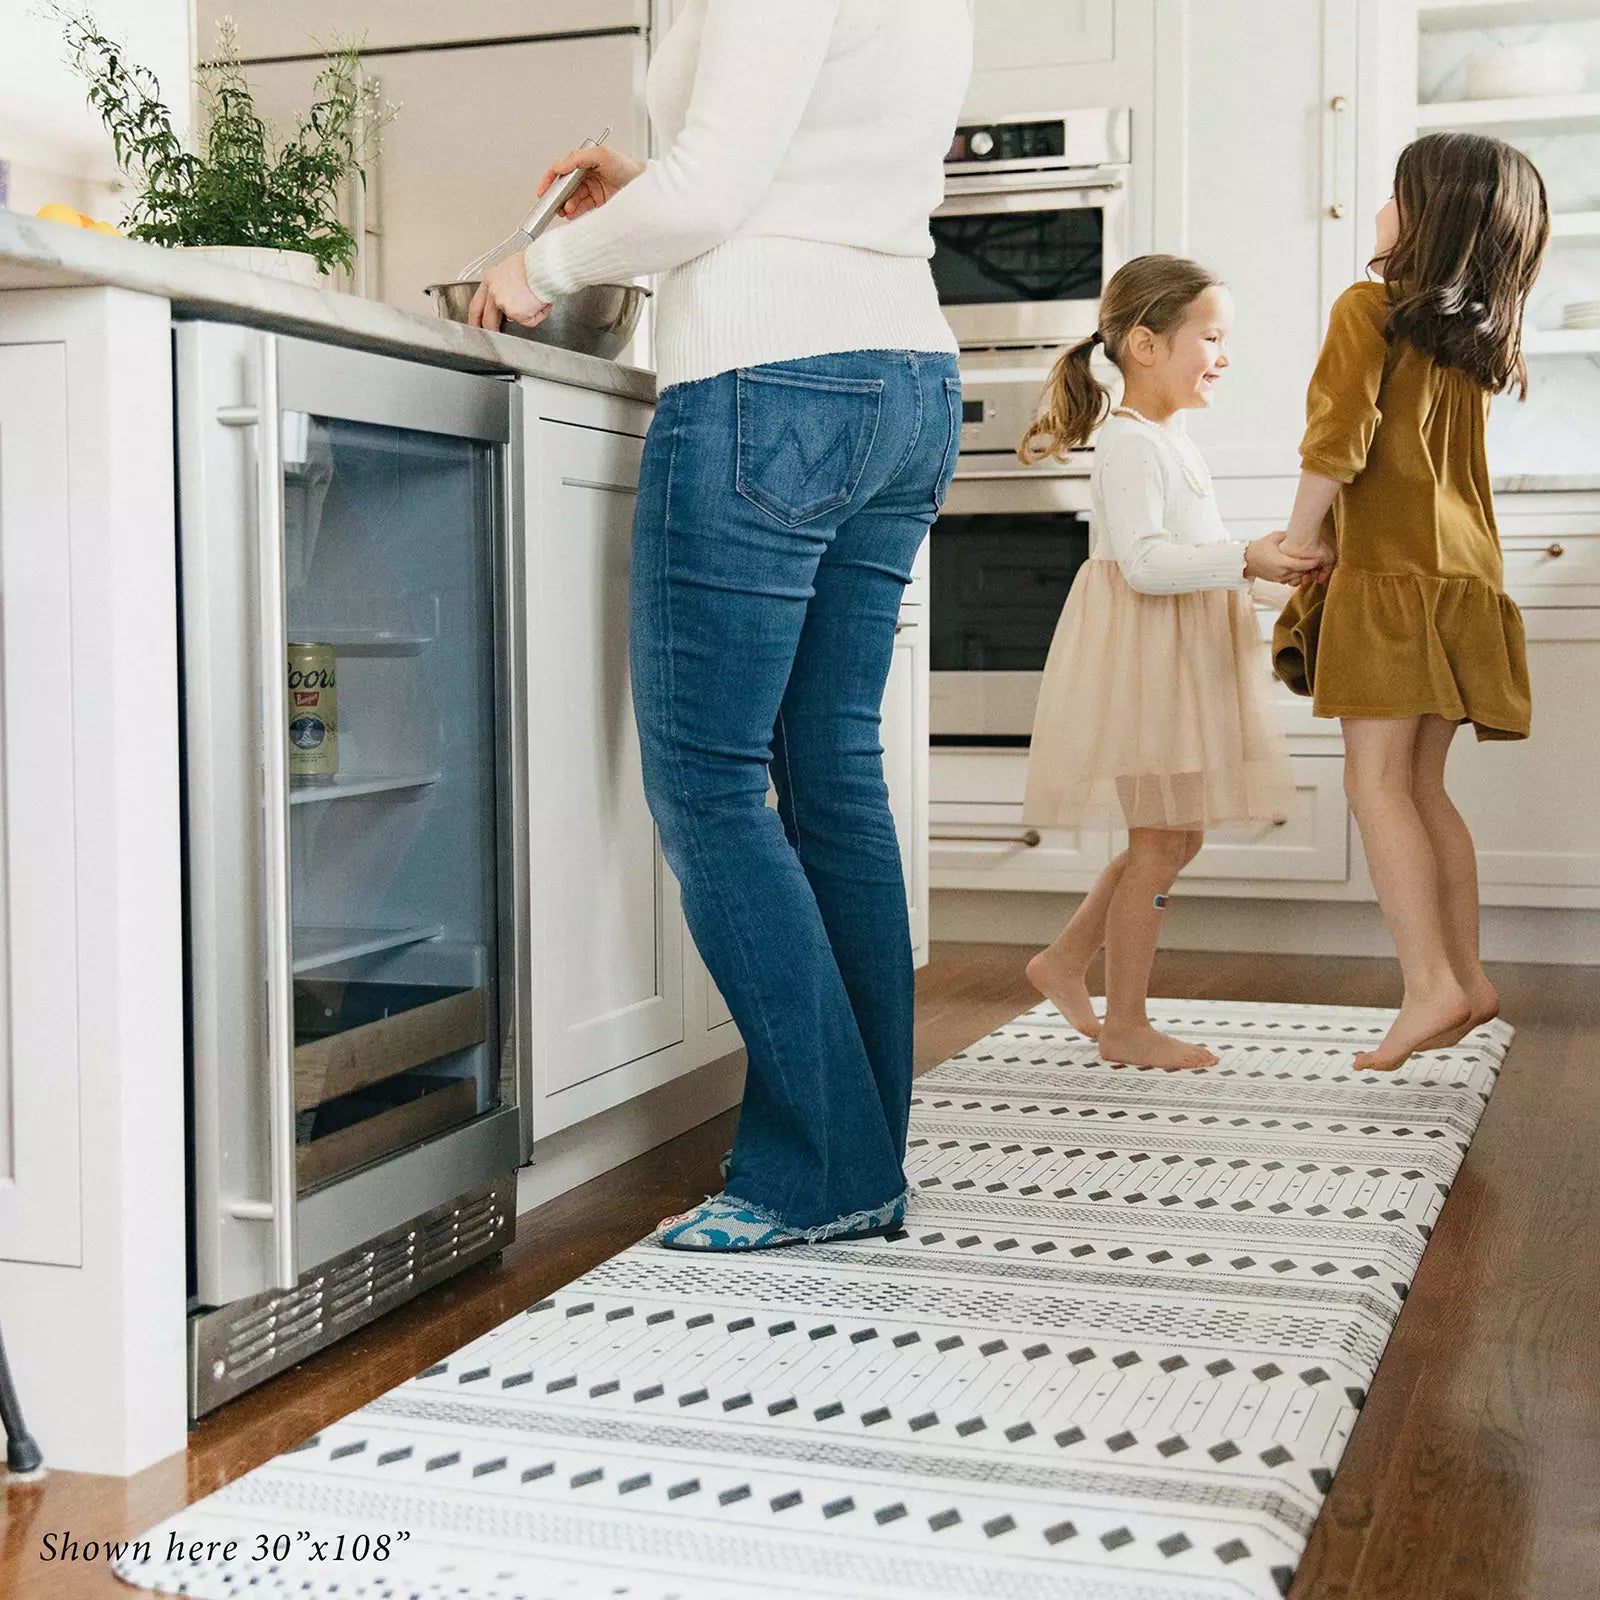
x,y
1555,550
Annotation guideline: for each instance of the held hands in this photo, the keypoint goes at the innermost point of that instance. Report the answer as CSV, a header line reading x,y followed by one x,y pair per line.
x,y
1267,558
606,171
503,296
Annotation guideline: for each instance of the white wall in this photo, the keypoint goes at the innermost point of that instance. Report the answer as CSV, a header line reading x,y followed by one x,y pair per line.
x,y
56,146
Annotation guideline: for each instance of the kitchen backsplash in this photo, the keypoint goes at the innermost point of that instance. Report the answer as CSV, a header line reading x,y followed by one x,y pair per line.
x,y
1557,430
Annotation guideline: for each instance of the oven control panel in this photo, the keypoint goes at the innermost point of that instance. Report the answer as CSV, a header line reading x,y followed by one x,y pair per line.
x,y
1009,141
1082,138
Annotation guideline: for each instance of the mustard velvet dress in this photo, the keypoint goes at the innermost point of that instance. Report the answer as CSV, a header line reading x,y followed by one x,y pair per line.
x,y
1415,618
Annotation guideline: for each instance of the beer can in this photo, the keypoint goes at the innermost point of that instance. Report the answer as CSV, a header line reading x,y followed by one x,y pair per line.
x,y
313,706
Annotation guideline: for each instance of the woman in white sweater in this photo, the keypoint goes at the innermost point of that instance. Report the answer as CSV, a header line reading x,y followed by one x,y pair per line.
x,y
807,428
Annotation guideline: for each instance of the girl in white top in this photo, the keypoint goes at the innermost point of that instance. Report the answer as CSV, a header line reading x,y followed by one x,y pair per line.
x,y
1153,713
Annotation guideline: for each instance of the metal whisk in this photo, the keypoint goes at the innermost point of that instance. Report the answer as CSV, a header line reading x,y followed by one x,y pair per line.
x,y
536,221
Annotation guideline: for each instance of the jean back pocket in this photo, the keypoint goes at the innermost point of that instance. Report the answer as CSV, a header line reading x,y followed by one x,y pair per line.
x,y
804,439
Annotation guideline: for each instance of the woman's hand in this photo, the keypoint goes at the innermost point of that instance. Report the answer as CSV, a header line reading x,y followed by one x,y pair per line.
x,y
503,296
1267,558
605,171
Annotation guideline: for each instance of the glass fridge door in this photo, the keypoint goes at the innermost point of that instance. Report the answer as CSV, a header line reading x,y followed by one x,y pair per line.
x,y
391,675
356,882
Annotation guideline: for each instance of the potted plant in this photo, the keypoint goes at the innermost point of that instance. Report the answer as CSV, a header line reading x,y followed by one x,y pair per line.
x,y
266,202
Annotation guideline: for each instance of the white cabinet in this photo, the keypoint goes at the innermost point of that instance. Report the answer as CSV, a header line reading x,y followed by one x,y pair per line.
x,y
300,27
1531,806
39,1144
607,980
1310,845
1255,172
1008,34
476,128
977,836
91,941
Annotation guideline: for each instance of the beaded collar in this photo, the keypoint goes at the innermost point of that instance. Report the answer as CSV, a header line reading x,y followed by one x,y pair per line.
x,y
1195,472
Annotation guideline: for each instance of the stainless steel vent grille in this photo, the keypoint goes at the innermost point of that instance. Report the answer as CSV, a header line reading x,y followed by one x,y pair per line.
x,y
236,1347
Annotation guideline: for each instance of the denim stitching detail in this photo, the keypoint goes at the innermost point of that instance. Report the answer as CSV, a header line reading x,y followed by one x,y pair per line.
x,y
861,387
952,388
820,380
916,437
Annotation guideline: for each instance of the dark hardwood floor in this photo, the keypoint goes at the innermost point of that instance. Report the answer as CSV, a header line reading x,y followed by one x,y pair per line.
x,y
1473,1472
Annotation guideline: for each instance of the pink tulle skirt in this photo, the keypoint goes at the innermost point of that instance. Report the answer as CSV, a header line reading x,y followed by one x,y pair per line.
x,y
1155,713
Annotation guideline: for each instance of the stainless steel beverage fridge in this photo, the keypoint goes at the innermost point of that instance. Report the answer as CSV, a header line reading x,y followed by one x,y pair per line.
x,y
353,806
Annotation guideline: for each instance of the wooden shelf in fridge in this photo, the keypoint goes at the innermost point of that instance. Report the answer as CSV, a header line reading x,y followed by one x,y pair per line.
x,y
353,785
315,948
324,1069
453,1101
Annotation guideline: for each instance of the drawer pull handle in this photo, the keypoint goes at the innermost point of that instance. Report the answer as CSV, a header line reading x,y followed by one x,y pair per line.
x,y
1555,550
1029,836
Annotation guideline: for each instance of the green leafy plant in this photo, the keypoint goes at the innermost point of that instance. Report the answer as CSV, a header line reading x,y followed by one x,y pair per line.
x,y
242,185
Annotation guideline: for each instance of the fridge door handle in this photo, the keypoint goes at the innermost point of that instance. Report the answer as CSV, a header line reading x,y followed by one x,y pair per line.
x,y
271,652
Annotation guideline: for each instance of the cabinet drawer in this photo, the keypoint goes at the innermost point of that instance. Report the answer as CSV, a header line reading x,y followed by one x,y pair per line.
x,y
987,847
978,777
1555,570
1312,845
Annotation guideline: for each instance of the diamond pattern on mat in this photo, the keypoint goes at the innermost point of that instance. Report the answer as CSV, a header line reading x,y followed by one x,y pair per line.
x,y
1195,1299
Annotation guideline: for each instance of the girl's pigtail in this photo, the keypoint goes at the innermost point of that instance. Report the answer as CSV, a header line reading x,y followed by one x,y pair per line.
x,y
1075,404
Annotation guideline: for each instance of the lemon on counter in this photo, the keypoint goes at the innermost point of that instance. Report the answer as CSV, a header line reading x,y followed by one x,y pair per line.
x,y
56,212
67,214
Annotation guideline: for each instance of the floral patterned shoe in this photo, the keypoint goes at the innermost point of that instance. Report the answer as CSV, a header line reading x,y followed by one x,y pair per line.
x,y
729,1226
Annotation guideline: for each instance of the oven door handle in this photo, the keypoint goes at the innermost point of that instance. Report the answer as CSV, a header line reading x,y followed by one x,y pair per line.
x,y
1098,180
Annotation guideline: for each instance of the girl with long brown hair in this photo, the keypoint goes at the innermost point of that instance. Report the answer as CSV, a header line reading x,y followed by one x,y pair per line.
x,y
1413,635
1152,714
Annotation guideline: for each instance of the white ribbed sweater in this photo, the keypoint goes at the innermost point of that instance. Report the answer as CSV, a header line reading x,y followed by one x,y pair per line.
x,y
788,217
1154,512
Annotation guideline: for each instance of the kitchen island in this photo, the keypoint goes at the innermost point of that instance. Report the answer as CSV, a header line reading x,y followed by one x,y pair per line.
x,y
621,1040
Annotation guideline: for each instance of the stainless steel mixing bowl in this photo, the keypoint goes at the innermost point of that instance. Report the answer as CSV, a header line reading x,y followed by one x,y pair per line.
x,y
597,321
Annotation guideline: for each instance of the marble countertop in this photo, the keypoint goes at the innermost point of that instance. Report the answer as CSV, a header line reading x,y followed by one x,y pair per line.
x,y
50,255
1547,483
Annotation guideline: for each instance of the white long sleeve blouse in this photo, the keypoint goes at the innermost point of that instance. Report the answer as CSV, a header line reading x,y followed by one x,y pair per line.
x,y
804,143
1154,514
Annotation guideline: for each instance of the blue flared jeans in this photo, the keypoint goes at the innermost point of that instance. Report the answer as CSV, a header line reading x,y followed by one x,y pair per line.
x,y
780,509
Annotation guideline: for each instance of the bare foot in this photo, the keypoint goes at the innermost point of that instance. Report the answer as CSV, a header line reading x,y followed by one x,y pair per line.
x,y
1060,980
1146,1047
1422,1019
1485,1005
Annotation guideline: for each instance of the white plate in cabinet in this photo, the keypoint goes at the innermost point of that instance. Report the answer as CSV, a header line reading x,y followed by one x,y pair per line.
x,y
1311,845
608,933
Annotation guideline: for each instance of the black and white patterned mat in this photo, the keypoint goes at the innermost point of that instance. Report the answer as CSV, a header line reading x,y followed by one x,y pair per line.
x,y
1115,1355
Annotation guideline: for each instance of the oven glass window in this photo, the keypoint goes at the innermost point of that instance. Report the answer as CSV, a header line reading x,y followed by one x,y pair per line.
x,y
997,585
1016,257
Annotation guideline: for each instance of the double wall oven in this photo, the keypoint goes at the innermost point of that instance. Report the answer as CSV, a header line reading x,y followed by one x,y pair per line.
x,y
1036,217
